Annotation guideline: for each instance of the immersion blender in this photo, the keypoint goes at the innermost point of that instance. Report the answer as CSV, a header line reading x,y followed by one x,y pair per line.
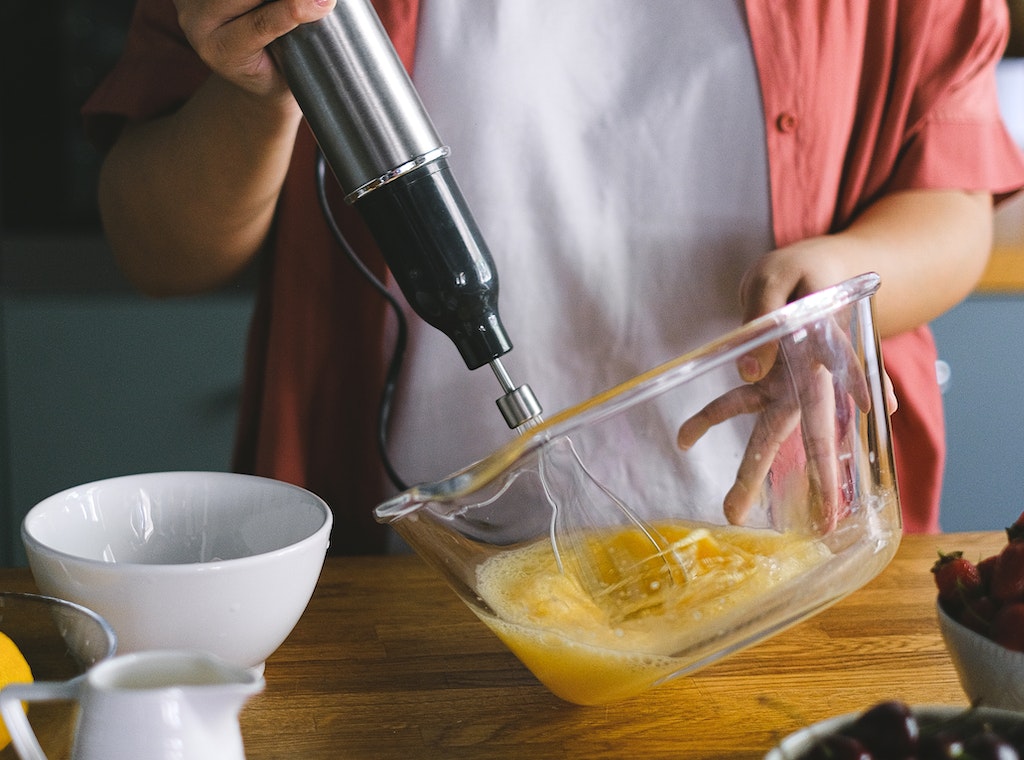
x,y
385,153
391,164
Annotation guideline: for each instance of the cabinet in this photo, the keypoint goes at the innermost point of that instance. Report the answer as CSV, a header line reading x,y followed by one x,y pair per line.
x,y
982,343
98,381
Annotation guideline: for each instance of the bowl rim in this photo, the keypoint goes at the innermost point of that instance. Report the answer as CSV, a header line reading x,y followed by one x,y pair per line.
x,y
96,617
726,348
34,545
796,741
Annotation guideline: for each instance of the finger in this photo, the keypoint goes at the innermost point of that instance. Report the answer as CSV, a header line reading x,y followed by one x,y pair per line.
x,y
818,413
893,402
762,292
738,502
271,20
745,399
770,431
236,35
755,365
832,348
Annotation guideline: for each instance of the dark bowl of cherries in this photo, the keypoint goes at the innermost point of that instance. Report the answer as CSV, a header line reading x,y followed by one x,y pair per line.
x,y
980,608
894,731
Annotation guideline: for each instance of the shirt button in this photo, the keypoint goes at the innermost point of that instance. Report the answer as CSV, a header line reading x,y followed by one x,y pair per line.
x,y
786,122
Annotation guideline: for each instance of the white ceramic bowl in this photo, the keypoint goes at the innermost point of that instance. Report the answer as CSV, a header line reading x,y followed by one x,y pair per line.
x,y
990,674
213,561
799,742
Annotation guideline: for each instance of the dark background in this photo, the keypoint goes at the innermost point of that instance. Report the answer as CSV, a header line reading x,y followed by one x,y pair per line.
x,y
53,53
96,380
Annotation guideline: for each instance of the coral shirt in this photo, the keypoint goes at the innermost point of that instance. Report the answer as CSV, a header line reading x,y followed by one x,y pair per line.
x,y
860,99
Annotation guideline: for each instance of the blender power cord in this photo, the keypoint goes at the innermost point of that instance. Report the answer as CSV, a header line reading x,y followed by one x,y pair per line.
x,y
401,335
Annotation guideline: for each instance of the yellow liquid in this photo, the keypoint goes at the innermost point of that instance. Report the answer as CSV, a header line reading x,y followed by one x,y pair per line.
x,y
592,653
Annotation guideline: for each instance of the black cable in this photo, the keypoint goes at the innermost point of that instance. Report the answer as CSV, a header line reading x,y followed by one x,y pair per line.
x,y
401,337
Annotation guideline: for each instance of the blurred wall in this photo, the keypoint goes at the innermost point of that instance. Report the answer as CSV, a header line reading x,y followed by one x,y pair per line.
x,y
982,343
95,380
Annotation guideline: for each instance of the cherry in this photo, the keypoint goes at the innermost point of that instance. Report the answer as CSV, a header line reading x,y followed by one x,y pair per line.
x,y
977,614
888,730
942,745
837,747
988,745
1015,736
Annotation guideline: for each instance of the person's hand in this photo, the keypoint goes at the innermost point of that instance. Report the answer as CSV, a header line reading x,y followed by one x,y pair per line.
x,y
231,37
811,379
815,383
782,276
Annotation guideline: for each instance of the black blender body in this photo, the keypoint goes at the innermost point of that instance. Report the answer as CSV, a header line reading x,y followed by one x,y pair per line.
x,y
439,258
385,153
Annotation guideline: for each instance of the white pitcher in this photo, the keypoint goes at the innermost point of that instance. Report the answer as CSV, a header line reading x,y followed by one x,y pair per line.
x,y
156,705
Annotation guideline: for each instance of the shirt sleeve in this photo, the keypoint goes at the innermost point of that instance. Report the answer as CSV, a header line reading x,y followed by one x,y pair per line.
x,y
157,72
955,136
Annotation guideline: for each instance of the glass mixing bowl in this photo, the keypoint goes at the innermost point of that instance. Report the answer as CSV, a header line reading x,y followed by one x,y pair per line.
x,y
682,515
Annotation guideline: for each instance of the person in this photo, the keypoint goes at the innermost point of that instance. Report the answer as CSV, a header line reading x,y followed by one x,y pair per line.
x,y
632,172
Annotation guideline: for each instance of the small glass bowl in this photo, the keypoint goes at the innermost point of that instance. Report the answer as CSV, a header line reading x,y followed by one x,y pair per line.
x,y
60,640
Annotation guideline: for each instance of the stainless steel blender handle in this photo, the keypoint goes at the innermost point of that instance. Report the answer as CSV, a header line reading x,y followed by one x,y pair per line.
x,y
385,153
357,97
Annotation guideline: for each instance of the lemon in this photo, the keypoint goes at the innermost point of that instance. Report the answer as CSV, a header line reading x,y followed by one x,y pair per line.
x,y
13,669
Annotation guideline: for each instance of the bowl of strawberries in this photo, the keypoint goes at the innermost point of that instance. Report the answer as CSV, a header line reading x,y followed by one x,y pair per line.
x,y
981,615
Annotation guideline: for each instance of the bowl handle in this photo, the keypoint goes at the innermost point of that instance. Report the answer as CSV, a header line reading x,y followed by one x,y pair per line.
x,y
11,698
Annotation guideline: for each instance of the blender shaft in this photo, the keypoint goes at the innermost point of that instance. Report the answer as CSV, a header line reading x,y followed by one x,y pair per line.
x,y
518,406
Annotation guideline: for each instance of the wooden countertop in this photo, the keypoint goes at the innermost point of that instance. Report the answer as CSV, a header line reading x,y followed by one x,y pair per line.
x,y
387,663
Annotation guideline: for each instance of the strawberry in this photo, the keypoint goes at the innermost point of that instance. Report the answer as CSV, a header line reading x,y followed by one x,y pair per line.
x,y
1008,573
985,569
977,614
957,578
1008,626
1016,531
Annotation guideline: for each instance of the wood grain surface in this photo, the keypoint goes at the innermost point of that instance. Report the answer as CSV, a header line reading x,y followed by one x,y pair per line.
x,y
387,663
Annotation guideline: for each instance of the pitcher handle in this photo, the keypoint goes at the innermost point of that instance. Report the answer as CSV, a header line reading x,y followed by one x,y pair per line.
x,y
11,697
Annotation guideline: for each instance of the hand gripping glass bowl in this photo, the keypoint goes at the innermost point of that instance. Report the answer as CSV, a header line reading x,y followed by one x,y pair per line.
x,y
59,640
214,561
597,545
